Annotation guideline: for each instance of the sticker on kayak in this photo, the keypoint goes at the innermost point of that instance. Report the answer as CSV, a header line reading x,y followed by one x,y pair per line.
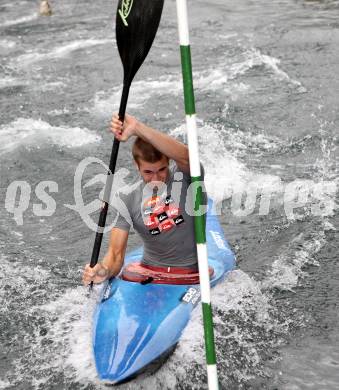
x,y
192,295
109,291
218,239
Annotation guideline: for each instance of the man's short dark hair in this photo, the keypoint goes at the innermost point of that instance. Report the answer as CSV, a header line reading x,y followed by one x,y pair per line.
x,y
145,151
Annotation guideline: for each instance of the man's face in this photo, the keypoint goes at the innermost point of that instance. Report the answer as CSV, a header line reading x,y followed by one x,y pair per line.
x,y
154,172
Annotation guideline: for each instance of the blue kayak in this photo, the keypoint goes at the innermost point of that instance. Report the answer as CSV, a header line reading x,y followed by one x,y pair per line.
x,y
136,324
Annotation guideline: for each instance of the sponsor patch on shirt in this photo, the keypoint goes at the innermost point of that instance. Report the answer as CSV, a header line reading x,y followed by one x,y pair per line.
x,y
159,209
151,222
155,231
161,215
151,202
172,212
148,211
178,220
168,200
167,225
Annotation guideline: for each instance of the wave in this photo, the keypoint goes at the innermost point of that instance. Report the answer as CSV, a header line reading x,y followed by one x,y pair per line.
x,y
220,152
32,132
143,90
11,82
60,51
242,314
6,44
221,78
288,268
4,384
66,321
253,58
23,19
61,325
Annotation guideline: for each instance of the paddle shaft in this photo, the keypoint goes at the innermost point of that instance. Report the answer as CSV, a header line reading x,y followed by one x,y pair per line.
x,y
109,181
199,220
136,27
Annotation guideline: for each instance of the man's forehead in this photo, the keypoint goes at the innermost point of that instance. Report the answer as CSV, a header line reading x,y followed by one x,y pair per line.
x,y
157,165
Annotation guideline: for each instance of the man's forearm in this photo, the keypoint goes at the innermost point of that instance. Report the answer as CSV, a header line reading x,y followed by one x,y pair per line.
x,y
167,145
113,264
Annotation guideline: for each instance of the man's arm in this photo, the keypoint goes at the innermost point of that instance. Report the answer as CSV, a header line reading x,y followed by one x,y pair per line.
x,y
112,262
167,145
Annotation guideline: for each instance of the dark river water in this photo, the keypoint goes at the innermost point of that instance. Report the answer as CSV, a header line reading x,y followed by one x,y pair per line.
x,y
266,80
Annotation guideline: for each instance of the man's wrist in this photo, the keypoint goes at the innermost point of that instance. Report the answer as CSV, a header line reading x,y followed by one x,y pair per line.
x,y
104,271
138,129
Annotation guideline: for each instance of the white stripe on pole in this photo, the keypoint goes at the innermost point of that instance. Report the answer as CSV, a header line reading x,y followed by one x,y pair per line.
x,y
212,376
204,273
192,139
183,23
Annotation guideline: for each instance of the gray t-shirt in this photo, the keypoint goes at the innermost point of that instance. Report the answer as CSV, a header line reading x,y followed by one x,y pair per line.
x,y
163,217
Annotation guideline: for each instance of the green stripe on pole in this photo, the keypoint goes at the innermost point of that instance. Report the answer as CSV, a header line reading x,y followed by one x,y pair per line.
x,y
199,220
186,65
209,334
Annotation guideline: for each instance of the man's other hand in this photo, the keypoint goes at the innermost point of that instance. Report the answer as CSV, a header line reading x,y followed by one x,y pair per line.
x,y
123,131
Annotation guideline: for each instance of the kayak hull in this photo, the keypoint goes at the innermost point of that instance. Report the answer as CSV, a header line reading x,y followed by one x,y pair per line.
x,y
135,324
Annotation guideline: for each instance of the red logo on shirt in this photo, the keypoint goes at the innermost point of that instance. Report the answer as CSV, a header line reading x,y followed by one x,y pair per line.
x,y
151,222
151,202
167,225
162,215
173,212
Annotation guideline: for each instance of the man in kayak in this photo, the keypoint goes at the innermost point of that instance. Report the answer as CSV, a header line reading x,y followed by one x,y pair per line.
x,y
159,207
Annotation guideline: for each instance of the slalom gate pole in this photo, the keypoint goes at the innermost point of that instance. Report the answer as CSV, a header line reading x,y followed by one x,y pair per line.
x,y
199,220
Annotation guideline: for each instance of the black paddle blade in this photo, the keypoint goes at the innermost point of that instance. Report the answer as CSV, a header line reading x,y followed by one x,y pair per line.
x,y
136,26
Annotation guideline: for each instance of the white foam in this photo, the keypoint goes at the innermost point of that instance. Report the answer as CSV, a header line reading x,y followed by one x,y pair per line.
x,y
52,86
32,132
61,343
224,37
17,275
20,278
217,79
11,82
222,78
73,331
287,269
23,19
6,44
60,51
239,295
57,112
219,148
4,384
253,58
140,92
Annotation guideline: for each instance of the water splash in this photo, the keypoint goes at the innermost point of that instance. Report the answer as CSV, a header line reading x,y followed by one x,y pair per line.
x,y
32,132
